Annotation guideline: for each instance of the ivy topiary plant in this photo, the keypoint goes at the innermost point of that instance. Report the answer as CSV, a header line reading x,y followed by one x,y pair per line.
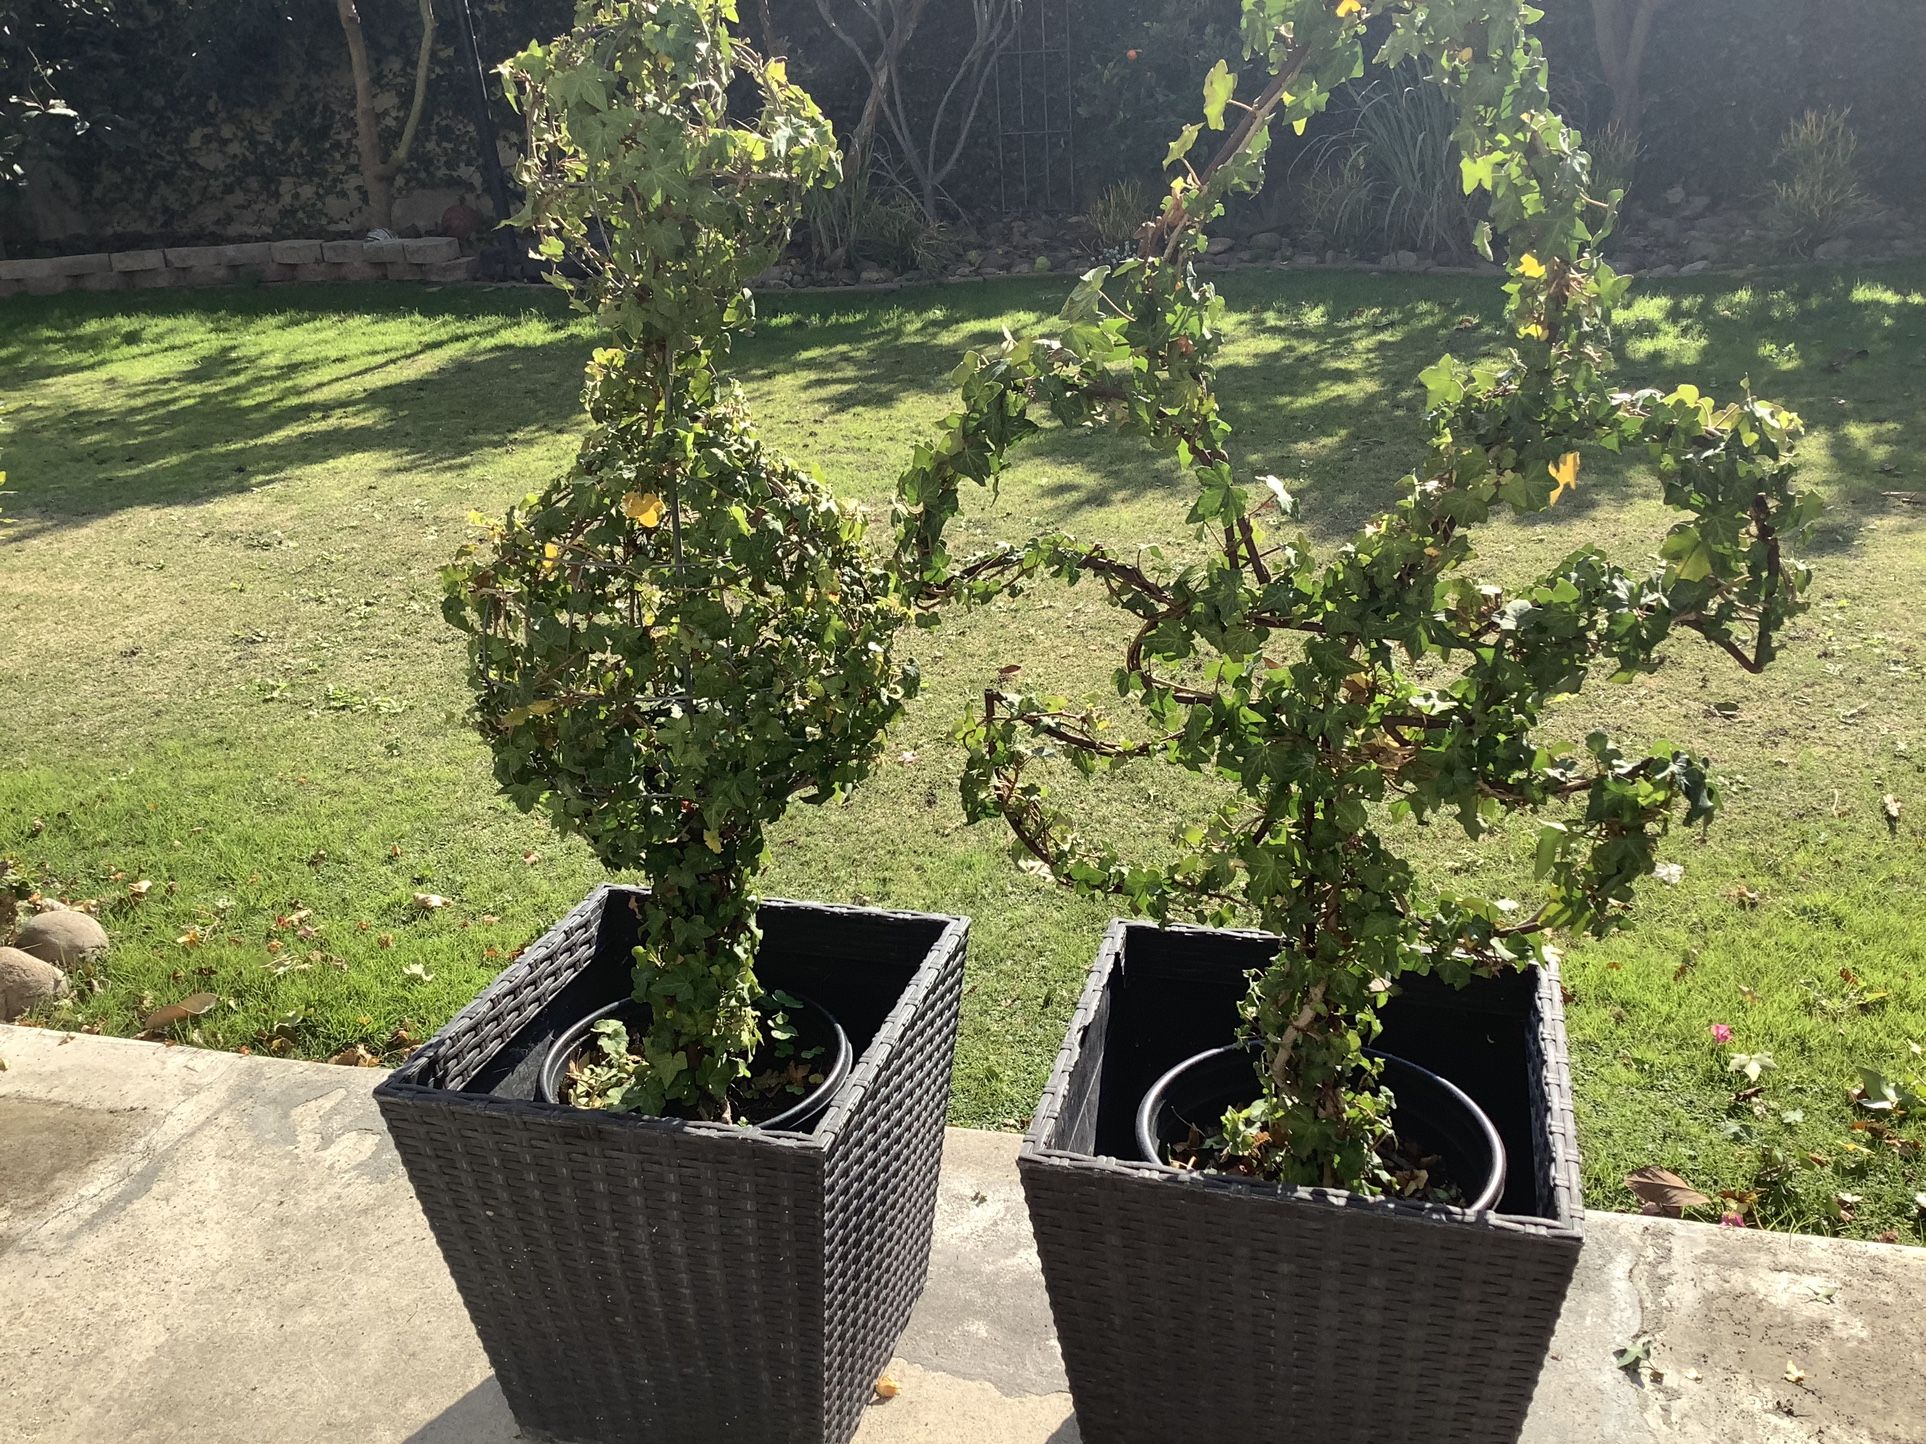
x,y
683,634
1377,681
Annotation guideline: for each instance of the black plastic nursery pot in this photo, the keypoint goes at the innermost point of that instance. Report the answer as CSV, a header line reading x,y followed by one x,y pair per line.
x,y
1192,1306
652,1279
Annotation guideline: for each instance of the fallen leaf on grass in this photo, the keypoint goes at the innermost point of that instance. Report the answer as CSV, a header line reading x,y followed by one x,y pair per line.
x,y
190,939
1664,1192
531,858
416,970
136,891
1036,867
430,902
192,1006
1893,808
887,1387
355,1057
1746,897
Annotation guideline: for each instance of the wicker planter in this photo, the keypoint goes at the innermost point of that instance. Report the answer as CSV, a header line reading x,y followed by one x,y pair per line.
x,y
1194,1307
640,1279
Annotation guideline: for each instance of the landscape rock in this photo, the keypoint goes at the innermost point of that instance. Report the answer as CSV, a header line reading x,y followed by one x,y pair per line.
x,y
1267,241
27,982
1838,249
62,938
430,250
54,269
1219,245
1696,268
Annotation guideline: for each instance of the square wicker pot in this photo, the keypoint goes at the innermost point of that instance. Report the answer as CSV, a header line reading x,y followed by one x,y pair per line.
x,y
646,1279
1194,1307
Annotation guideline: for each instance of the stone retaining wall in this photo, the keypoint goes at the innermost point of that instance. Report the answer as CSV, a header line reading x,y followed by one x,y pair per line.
x,y
427,258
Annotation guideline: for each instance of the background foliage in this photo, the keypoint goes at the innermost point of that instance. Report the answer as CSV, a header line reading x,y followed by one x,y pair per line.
x,y
229,117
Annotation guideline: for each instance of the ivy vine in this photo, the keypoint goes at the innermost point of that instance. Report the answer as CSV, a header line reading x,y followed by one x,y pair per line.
x,y
684,633
1297,676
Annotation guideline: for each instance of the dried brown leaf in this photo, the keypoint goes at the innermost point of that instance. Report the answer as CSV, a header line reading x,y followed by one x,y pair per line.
x,y
1665,1192
192,1006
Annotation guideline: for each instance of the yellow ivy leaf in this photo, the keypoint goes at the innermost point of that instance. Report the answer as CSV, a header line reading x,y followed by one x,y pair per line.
x,y
1300,125
644,507
1530,265
712,840
1564,471
543,707
1467,55
1349,7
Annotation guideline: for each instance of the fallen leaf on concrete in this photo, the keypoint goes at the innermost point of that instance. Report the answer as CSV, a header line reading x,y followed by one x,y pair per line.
x,y
887,1387
1665,1192
1694,1375
1633,1355
192,1006
1794,1374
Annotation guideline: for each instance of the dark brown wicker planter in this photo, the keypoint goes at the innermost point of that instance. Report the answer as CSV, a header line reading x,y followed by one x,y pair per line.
x,y
1196,1307
640,1279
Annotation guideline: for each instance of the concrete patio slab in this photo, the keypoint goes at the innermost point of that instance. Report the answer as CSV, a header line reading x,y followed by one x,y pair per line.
x,y
201,1247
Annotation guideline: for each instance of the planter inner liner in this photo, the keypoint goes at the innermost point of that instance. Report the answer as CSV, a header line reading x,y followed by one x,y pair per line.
x,y
1174,999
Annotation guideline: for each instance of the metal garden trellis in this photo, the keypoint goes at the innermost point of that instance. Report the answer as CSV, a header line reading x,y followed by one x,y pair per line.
x,y
1036,111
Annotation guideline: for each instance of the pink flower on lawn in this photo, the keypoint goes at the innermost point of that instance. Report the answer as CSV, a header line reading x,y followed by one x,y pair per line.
x,y
1721,1033
1731,1220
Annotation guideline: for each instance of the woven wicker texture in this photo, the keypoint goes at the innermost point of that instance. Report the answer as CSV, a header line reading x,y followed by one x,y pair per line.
x,y
640,1279
1190,1307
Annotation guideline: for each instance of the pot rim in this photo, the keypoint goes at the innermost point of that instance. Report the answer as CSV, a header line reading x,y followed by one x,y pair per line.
x,y
798,1116
1487,1198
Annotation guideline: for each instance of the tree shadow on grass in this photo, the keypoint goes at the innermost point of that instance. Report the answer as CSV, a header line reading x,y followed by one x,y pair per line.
x,y
204,400
1333,404
1319,380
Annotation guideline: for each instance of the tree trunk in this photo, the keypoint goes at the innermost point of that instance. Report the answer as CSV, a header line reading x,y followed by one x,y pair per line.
x,y
904,16
378,175
1624,32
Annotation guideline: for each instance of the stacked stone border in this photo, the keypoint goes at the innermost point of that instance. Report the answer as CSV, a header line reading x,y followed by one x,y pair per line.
x,y
426,258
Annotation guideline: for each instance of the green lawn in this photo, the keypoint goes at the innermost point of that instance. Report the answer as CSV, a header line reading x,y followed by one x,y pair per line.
x,y
224,673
